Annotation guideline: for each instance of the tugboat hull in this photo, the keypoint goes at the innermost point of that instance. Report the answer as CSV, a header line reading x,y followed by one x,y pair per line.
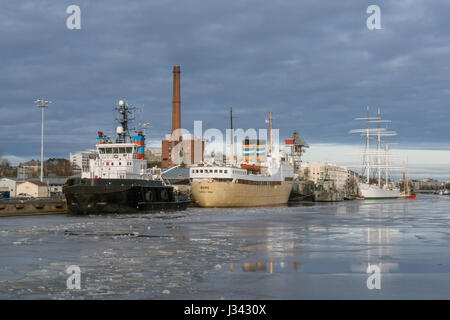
x,y
97,196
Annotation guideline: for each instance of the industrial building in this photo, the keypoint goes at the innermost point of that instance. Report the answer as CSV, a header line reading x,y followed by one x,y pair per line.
x,y
178,148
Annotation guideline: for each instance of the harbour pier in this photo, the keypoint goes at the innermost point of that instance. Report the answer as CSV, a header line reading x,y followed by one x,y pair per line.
x,y
32,207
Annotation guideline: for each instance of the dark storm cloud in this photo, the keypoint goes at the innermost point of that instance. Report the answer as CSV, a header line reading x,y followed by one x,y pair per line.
x,y
313,63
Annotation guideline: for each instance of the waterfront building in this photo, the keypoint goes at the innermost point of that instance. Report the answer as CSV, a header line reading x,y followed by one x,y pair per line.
x,y
317,171
80,161
35,189
9,184
55,184
22,173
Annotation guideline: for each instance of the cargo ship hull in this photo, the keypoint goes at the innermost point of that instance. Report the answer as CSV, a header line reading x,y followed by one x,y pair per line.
x,y
96,196
233,194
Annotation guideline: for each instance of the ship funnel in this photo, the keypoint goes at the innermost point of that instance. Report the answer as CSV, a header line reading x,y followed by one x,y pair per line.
x,y
139,139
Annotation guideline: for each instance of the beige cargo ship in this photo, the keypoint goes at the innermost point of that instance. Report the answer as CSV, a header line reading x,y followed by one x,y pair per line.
x,y
258,180
232,186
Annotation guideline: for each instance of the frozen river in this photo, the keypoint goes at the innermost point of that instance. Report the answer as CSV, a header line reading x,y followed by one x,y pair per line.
x,y
298,252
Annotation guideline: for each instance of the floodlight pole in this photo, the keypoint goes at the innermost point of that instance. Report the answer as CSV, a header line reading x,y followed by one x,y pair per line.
x,y
41,103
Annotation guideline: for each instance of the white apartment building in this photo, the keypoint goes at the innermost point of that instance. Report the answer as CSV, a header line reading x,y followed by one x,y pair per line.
x,y
80,160
316,171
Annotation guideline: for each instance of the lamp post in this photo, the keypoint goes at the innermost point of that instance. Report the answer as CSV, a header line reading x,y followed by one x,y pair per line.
x,y
41,103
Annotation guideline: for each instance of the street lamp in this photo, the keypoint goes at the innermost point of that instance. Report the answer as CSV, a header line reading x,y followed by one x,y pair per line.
x,y
41,103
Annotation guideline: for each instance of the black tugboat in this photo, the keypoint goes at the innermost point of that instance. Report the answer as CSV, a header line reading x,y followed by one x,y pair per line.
x,y
117,180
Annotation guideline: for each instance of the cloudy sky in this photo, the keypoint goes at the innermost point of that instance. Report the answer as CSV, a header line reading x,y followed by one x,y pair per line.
x,y
315,64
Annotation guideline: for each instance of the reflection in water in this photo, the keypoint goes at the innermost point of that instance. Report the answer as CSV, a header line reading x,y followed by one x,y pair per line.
x,y
378,236
270,267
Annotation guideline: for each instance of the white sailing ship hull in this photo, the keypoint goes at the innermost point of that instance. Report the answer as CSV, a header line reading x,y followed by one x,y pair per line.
x,y
372,191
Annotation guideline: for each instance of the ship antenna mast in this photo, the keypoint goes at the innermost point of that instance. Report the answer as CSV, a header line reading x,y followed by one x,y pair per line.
x,y
123,130
367,146
378,148
232,138
269,121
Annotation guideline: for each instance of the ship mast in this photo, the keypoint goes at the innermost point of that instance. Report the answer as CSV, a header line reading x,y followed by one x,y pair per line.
x,y
379,132
270,131
122,130
232,138
386,152
379,148
367,146
406,179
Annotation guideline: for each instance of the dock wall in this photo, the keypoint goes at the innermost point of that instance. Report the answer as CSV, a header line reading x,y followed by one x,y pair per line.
x,y
32,207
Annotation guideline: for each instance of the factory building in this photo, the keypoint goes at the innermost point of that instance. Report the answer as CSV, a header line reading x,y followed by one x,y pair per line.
x,y
178,148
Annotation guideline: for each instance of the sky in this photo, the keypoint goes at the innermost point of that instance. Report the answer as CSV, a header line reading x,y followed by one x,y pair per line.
x,y
315,64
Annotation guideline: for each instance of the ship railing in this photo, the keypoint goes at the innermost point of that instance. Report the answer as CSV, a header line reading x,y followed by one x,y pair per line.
x,y
165,180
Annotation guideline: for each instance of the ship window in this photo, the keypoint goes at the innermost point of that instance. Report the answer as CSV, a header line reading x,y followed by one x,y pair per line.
x,y
108,150
201,171
122,150
112,163
220,171
120,163
225,171
115,150
101,150
215,171
129,149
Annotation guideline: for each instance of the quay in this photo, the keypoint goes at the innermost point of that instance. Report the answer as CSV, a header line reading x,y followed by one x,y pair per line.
x,y
32,207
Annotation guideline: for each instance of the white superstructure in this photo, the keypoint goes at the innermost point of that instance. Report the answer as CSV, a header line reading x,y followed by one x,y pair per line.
x,y
261,173
116,161
122,159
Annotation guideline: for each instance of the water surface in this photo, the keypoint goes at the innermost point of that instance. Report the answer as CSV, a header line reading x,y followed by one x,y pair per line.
x,y
314,251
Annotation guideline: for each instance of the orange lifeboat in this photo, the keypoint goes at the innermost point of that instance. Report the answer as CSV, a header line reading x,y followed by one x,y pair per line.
x,y
251,167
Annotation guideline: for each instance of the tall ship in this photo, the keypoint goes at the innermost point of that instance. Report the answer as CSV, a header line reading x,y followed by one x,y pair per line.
x,y
407,193
259,179
376,161
117,179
